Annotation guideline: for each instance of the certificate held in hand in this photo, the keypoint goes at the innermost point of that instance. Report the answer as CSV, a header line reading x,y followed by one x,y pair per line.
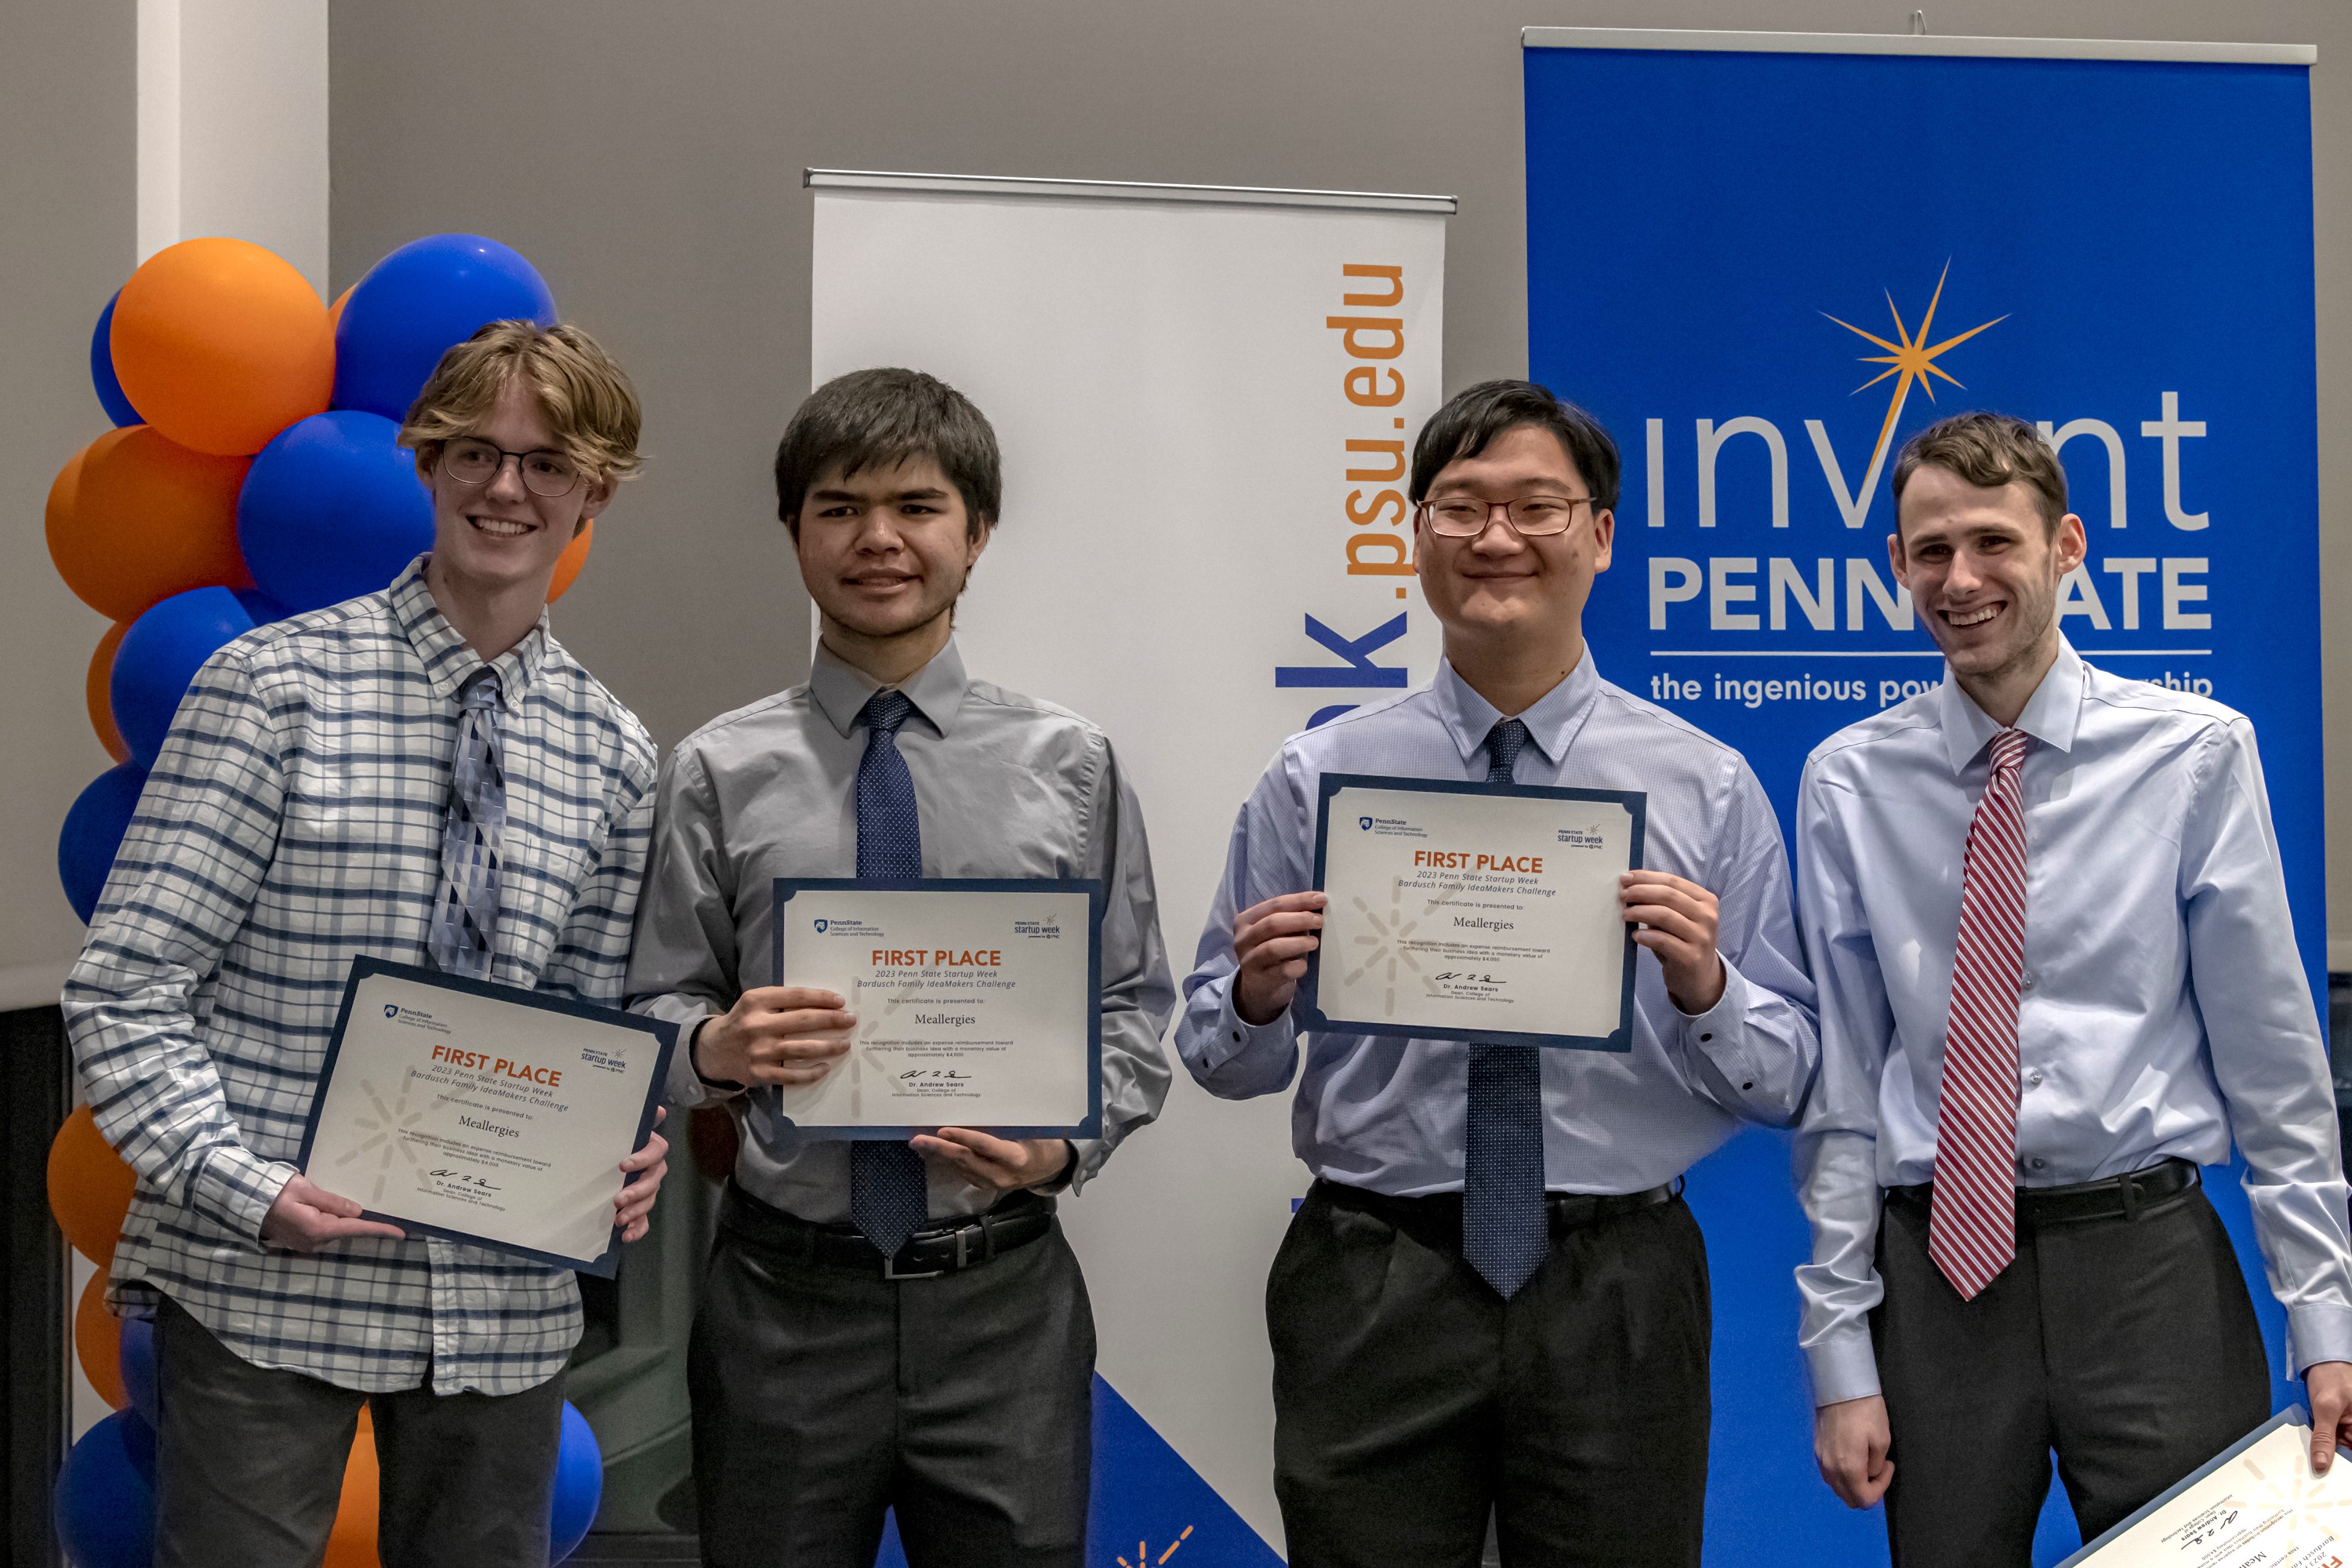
x,y
483,1113
1473,911
979,1004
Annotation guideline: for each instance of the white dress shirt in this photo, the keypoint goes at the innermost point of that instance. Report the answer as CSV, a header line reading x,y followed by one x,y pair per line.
x,y
2163,1006
1388,1114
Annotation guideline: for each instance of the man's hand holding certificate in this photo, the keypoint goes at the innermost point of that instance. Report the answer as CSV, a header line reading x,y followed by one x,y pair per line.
x,y
924,1010
482,1114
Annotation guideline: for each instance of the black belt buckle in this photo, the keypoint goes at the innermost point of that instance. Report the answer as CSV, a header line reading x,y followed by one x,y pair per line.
x,y
890,1269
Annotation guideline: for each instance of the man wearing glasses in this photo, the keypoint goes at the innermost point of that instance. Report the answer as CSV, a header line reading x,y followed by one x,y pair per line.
x,y
421,774
1548,1370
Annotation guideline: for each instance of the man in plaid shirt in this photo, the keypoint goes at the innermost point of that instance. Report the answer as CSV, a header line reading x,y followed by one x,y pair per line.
x,y
302,814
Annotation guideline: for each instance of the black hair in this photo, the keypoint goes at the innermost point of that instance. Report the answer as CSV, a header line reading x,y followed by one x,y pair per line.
x,y
878,419
1474,417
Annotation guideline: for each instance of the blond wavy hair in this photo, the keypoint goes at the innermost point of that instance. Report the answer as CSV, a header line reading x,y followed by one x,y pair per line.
x,y
587,397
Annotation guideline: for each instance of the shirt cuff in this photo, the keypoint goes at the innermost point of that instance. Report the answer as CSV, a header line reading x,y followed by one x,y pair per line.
x,y
2317,1331
1721,1032
235,1187
688,1089
1087,1155
1236,1037
1844,1365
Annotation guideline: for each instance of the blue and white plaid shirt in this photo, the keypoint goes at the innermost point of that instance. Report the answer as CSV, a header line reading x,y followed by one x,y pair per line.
x,y
292,824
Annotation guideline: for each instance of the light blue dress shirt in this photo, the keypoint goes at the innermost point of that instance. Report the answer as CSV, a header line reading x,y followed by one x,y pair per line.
x,y
1387,1114
2163,1005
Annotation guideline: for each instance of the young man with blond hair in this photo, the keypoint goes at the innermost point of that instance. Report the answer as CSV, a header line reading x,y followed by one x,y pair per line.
x,y
421,774
887,1325
2057,973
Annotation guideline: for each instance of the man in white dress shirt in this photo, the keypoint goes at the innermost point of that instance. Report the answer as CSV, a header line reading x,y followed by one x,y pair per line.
x,y
2044,909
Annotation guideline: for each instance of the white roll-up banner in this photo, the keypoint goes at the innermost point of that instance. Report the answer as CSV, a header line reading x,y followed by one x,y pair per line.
x,y
1205,400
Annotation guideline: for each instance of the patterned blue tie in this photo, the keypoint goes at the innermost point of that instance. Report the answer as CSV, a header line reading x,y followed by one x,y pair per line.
x,y
1504,1233
465,930
886,1197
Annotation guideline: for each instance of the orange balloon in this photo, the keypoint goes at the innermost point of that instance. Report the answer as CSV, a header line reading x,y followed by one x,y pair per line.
x,y
353,1542
134,519
221,344
97,1342
95,692
568,564
89,1188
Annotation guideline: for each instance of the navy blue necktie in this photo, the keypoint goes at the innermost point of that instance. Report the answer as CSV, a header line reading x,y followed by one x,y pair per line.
x,y
886,1191
1504,1233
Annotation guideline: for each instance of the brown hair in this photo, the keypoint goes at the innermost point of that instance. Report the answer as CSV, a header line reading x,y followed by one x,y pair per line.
x,y
1988,450
586,397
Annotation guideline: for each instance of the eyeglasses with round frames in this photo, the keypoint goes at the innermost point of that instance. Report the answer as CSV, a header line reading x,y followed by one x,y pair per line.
x,y
1532,517
472,461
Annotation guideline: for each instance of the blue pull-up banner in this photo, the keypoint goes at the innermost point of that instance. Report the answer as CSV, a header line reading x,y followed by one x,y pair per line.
x,y
1765,260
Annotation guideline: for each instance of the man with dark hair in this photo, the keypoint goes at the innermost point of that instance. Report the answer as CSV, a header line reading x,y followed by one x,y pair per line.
x,y
2057,973
1550,1371
888,1325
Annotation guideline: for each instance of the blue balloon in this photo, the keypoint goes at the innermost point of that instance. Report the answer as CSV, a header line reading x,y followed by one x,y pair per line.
x,y
418,302
138,1364
105,1502
262,607
93,831
331,508
579,1486
111,394
159,655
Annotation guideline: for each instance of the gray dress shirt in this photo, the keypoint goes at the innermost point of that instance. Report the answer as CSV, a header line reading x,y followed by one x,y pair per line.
x,y
1387,1113
1007,786
2163,1009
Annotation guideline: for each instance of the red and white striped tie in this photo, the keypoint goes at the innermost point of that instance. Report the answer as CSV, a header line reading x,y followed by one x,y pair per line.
x,y
1972,1228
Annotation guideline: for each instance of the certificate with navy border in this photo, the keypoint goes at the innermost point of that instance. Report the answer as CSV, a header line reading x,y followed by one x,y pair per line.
x,y
1473,911
485,1114
2257,1502
978,1001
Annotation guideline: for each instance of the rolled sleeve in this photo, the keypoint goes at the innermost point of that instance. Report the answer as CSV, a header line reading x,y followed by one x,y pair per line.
x,y
235,1187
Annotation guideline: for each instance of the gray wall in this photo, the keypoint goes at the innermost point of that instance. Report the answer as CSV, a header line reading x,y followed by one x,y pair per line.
x,y
648,158
68,148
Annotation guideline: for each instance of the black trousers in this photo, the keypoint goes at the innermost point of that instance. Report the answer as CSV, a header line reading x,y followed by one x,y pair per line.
x,y
2128,1346
1411,1400
823,1394
249,1464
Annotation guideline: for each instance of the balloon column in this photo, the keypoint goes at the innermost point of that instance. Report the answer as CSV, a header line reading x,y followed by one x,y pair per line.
x,y
253,475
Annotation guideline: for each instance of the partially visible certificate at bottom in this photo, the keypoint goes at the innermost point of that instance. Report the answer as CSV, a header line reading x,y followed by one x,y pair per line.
x,y
484,1113
2257,1506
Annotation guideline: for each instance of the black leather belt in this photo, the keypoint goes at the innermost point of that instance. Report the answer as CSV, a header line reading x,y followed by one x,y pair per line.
x,y
945,1248
2115,1197
1436,1220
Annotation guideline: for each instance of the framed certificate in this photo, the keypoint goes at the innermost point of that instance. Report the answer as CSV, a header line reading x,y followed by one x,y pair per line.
x,y
1473,911
484,1113
2255,1503
979,1004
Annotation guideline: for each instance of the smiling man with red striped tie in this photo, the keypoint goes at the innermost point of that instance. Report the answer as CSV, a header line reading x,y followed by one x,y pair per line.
x,y
2044,909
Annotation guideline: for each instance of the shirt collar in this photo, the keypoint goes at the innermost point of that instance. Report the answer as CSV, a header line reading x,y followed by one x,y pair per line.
x,y
1552,720
842,689
449,661
2050,716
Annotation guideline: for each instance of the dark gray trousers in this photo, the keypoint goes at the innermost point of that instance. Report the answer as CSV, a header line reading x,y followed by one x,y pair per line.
x,y
1411,1400
2129,1347
823,1394
249,1464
